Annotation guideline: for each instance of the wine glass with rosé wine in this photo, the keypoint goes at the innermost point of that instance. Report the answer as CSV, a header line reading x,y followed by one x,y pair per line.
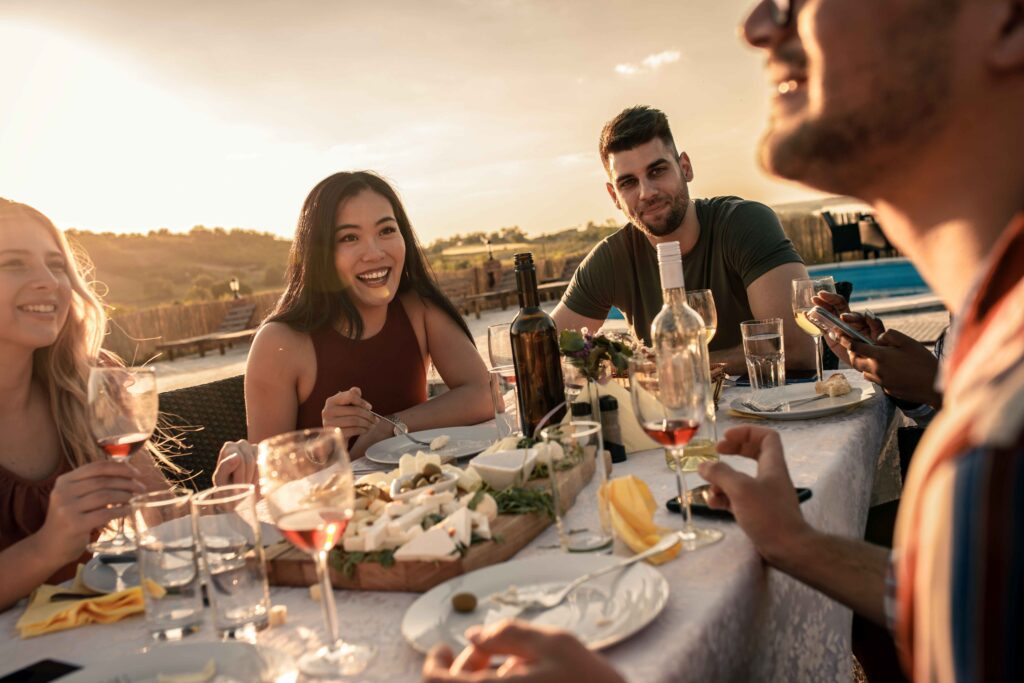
x,y
122,416
669,394
307,482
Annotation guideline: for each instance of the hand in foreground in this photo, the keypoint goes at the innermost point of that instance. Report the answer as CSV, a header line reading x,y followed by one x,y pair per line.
x,y
869,326
905,368
537,654
78,505
236,464
765,505
348,411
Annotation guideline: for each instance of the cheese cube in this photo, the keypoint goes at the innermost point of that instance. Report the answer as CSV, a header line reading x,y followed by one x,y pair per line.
x,y
278,615
459,525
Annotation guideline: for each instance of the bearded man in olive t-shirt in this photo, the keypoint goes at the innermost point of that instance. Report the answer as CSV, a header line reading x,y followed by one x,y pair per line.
x,y
734,247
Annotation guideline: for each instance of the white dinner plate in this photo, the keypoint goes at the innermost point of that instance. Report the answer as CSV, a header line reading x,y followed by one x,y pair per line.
x,y
464,442
601,612
861,392
100,577
236,663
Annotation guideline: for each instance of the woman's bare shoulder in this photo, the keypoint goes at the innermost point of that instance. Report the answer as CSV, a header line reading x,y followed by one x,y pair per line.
x,y
281,344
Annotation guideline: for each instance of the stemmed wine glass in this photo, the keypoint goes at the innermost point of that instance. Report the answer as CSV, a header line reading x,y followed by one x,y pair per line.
x,y
804,290
307,482
669,393
499,345
122,417
703,301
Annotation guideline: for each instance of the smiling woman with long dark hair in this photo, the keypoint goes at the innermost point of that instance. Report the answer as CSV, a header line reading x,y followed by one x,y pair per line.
x,y
359,322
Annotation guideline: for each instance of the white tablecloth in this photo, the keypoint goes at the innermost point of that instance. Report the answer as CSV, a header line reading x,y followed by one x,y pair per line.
x,y
728,618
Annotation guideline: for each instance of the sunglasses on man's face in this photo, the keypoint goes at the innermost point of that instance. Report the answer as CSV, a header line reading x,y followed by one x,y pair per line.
x,y
781,11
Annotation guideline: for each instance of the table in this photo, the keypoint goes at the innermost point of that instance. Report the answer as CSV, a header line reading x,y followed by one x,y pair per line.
x,y
729,618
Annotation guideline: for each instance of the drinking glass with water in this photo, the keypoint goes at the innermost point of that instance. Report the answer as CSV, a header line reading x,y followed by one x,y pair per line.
x,y
765,354
229,537
168,564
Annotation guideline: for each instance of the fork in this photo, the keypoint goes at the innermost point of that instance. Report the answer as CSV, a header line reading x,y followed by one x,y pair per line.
x,y
760,408
402,429
549,599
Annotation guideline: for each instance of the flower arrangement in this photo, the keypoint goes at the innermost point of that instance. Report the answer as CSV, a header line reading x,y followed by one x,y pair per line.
x,y
589,353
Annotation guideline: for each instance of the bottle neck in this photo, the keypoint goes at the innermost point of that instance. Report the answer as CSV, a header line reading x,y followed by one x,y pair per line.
x,y
675,297
526,283
672,283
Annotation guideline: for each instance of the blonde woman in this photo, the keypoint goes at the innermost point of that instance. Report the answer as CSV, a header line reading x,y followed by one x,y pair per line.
x,y
56,486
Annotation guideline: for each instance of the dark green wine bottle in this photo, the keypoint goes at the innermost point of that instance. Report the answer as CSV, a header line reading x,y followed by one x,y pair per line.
x,y
535,354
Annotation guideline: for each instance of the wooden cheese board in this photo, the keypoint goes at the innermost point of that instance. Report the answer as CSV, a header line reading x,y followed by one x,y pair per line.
x,y
290,567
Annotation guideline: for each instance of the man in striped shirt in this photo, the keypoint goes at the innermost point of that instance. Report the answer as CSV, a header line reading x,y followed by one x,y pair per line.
x,y
916,106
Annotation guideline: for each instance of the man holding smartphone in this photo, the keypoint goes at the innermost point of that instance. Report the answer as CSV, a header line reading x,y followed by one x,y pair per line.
x,y
915,107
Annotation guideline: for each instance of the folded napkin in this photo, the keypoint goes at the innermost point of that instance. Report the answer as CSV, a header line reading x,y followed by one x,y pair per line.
x,y
43,616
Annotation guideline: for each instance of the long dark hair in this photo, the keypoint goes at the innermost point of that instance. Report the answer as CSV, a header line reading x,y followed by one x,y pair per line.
x,y
315,296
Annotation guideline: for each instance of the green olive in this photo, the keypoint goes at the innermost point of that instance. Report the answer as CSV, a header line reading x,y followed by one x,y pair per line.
x,y
464,602
430,469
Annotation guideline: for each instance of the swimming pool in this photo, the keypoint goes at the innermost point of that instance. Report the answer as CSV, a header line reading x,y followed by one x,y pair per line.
x,y
876,279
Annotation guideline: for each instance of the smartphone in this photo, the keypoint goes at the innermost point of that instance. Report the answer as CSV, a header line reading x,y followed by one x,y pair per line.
x,y
824,320
42,671
699,507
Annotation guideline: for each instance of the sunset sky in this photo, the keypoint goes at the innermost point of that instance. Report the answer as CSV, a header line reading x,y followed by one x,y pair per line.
x,y
130,115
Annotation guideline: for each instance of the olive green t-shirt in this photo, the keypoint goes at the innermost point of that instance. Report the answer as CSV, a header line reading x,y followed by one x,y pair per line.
x,y
739,242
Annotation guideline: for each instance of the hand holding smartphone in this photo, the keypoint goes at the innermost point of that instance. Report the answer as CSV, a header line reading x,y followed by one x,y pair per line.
x,y
824,320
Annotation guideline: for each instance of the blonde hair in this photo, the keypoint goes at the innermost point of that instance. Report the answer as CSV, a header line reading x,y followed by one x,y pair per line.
x,y
63,367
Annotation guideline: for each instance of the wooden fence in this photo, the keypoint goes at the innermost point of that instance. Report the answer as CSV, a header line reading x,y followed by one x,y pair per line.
x,y
134,336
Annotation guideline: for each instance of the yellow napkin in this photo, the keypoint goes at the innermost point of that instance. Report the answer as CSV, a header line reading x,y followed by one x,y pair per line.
x,y
43,616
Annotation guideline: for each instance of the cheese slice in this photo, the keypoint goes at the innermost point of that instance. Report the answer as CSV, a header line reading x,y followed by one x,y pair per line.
x,y
208,672
458,525
434,545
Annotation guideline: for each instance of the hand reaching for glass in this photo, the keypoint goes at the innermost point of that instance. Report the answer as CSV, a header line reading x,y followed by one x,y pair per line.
x,y
536,654
765,505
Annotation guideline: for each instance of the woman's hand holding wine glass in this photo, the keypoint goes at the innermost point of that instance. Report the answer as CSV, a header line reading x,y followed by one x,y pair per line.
x,y
84,499
123,410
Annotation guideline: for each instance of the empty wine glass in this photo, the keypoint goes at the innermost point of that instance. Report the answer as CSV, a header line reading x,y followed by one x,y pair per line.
x,y
703,301
307,482
804,289
499,345
669,394
122,416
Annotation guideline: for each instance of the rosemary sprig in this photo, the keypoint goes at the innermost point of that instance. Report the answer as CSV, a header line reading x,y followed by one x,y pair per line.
x,y
346,562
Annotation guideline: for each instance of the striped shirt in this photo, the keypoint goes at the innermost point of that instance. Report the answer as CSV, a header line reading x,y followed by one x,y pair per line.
x,y
959,550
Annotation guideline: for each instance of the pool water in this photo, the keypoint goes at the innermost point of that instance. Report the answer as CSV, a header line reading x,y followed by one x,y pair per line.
x,y
876,279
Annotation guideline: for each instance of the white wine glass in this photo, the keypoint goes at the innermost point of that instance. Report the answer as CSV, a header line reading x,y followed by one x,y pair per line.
x,y
307,481
122,416
669,394
703,301
804,290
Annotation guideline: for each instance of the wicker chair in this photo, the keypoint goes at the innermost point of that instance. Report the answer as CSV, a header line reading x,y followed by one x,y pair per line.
x,y
202,418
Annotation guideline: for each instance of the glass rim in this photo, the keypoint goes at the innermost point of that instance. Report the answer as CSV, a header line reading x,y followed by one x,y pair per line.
x,y
157,499
148,369
814,279
766,321
235,492
301,434
590,428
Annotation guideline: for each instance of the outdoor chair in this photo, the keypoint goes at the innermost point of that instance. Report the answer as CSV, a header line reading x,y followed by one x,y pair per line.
x,y
845,236
202,418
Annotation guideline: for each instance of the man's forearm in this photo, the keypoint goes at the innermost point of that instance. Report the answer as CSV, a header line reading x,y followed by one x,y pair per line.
x,y
847,570
735,361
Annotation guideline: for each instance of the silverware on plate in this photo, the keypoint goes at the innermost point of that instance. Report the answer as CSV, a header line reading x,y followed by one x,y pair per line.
x,y
401,429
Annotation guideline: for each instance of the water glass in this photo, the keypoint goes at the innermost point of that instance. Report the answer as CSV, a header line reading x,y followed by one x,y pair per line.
x,y
168,563
229,537
505,400
765,354
579,440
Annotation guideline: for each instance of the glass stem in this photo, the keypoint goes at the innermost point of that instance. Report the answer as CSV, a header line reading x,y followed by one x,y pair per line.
x,y
327,601
818,359
684,499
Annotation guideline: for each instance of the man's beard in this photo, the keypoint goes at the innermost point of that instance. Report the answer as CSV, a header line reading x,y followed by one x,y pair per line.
x,y
672,220
853,145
